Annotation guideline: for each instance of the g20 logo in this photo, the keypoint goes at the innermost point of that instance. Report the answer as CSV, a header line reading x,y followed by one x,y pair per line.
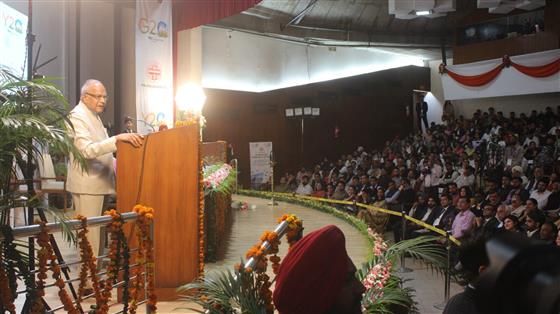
x,y
150,27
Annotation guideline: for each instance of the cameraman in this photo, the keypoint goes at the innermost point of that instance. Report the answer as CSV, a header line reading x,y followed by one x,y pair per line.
x,y
474,260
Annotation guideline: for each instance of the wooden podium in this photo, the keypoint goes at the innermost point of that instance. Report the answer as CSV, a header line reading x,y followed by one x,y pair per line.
x,y
164,174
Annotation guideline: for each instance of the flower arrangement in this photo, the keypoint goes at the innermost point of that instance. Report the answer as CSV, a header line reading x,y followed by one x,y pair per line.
x,y
219,178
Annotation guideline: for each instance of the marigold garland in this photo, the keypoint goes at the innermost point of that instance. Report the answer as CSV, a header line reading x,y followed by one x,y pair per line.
x,y
46,253
257,252
116,234
144,259
43,257
14,259
88,260
200,210
5,292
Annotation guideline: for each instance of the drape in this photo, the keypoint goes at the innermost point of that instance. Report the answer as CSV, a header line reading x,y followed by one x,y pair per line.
x,y
485,78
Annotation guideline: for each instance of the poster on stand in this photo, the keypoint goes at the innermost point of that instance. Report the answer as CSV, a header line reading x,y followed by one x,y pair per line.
x,y
259,153
154,65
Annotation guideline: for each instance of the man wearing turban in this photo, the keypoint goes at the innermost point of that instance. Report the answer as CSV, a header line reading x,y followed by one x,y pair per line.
x,y
318,277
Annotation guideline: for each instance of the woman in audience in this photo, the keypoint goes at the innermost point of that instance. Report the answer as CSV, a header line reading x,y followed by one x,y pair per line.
x,y
511,223
318,191
330,191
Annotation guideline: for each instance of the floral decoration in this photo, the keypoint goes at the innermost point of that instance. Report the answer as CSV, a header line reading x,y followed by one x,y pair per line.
x,y
5,292
201,193
88,264
259,253
219,178
145,260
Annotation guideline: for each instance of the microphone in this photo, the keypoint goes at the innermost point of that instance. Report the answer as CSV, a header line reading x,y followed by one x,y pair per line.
x,y
138,120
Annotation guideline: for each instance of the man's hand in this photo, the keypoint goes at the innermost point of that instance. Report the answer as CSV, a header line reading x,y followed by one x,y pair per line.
x,y
133,138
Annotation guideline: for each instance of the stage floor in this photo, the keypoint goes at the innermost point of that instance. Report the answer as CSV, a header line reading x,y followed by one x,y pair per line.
x,y
247,227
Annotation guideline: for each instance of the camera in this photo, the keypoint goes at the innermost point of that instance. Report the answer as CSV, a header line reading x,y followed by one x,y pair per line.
x,y
523,277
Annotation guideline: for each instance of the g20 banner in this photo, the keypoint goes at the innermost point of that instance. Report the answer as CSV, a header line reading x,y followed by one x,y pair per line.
x,y
154,64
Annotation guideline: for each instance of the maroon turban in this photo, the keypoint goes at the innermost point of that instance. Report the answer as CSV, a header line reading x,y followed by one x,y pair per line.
x,y
312,273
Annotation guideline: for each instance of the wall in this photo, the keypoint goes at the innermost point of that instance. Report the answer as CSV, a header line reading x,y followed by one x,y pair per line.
x,y
518,104
126,69
51,20
435,98
239,61
367,108
87,45
97,50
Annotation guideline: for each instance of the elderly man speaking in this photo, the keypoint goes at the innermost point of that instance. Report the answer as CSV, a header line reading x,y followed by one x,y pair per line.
x,y
90,186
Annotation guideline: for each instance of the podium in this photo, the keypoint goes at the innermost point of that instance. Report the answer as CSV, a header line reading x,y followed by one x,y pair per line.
x,y
164,174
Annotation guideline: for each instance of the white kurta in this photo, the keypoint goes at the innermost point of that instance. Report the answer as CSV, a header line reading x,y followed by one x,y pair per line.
x,y
91,139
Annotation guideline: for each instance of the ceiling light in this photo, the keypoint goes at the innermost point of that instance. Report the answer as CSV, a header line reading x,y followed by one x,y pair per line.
x,y
422,12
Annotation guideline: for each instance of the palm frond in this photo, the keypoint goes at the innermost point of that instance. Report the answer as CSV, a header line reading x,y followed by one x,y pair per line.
x,y
225,292
424,248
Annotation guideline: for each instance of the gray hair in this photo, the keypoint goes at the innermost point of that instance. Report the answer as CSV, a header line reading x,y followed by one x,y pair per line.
x,y
87,84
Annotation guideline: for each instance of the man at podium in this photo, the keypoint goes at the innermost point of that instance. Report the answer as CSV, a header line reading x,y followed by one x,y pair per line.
x,y
90,186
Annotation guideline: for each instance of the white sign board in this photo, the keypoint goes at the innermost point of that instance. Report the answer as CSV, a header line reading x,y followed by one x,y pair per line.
x,y
259,153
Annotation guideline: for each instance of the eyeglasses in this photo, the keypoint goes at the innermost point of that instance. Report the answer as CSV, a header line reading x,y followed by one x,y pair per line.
x,y
98,97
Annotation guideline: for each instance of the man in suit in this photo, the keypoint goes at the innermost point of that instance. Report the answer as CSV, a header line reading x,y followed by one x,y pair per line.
x,y
90,186
128,124
474,261
488,222
445,218
422,113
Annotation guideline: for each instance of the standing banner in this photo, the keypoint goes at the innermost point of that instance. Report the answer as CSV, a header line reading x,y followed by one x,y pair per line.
x,y
259,153
13,27
154,65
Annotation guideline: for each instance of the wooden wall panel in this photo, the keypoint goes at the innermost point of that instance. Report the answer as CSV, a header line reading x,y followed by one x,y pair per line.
x,y
550,39
510,46
368,109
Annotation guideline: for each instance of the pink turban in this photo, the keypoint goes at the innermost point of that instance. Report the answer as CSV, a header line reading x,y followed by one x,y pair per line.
x,y
312,274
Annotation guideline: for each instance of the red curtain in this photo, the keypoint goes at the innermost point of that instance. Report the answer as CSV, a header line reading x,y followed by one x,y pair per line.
x,y
477,80
485,78
192,13
538,71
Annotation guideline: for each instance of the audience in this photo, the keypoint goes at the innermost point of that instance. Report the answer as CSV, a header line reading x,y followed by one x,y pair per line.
x,y
487,173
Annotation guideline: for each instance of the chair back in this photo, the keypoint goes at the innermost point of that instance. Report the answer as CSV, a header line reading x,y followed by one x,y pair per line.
x,y
46,169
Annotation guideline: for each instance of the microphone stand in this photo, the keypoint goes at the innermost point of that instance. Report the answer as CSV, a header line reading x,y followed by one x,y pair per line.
x,y
272,163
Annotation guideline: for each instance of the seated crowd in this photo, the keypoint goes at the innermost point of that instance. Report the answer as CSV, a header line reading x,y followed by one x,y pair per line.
x,y
489,172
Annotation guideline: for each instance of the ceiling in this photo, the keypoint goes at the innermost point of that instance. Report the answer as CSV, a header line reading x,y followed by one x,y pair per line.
x,y
359,23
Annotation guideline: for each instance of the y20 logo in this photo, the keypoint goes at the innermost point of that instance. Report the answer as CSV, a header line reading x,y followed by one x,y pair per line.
x,y
150,27
12,24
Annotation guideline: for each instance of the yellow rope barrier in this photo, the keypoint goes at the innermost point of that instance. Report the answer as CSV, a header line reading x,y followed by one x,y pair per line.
x,y
383,210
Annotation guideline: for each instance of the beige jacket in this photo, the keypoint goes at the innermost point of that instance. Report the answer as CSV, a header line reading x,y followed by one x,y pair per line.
x,y
91,139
